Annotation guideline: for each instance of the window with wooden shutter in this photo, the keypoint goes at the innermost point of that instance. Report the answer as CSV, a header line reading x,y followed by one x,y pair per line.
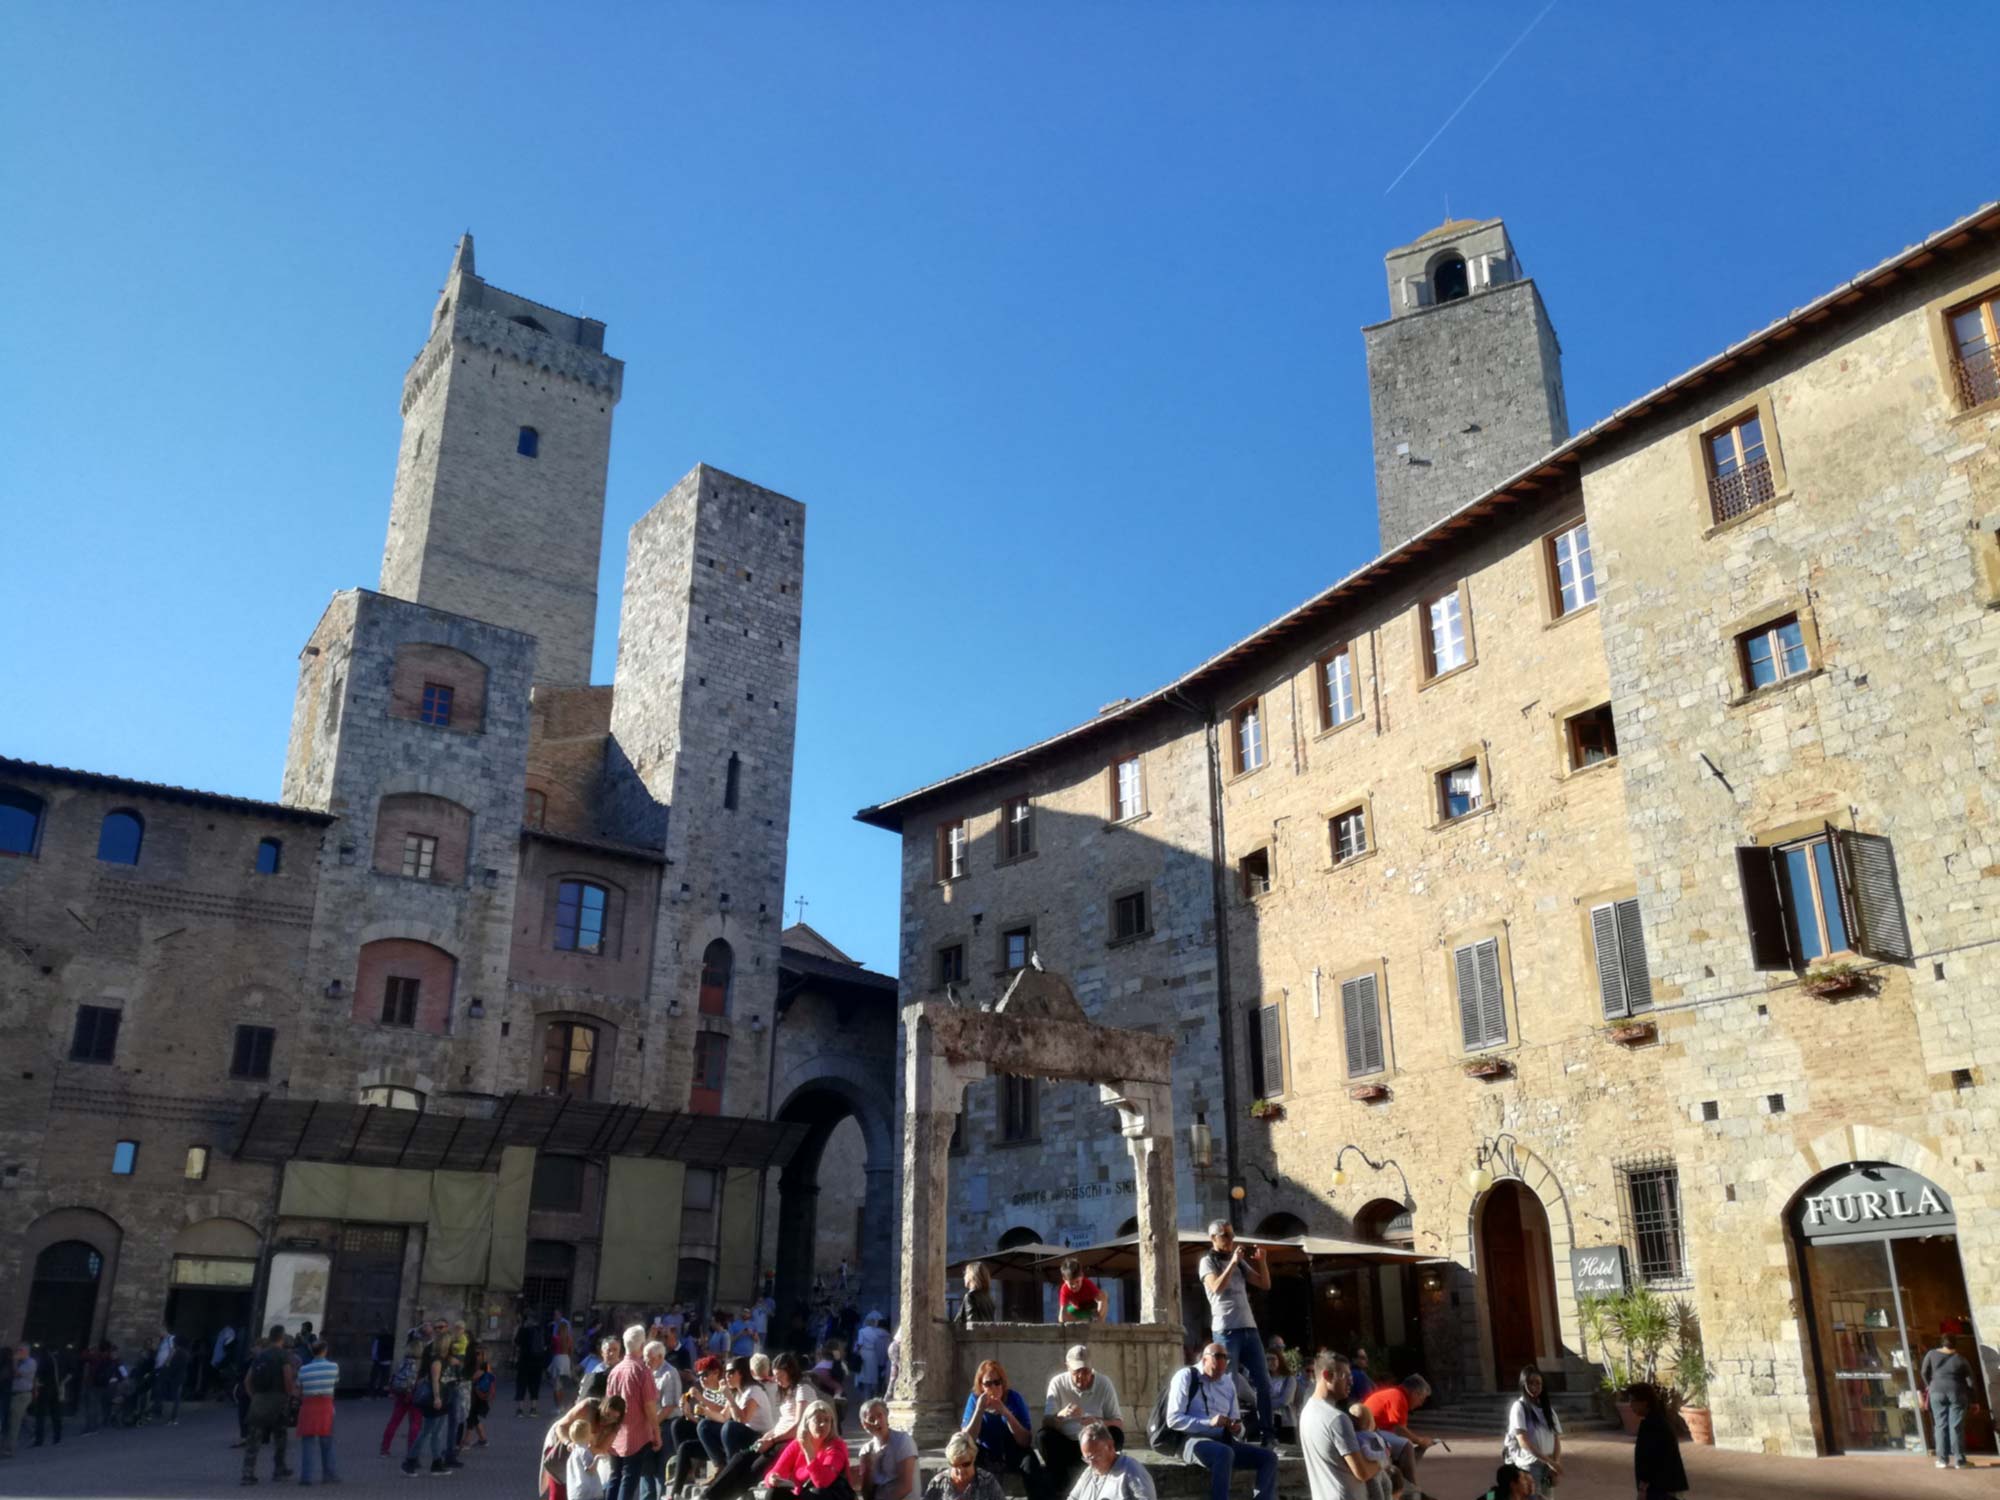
x,y
1770,946
1362,1022
1833,893
1267,1051
1482,1003
1623,983
1872,894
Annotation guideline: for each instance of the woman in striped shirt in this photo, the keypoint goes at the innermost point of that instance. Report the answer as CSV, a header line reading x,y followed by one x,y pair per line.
x,y
317,1378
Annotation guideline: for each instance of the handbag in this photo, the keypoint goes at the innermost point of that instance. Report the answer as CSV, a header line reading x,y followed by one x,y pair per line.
x,y
555,1460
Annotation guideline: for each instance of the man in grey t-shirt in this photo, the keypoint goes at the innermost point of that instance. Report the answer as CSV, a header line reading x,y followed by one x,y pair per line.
x,y
1336,1467
1228,1272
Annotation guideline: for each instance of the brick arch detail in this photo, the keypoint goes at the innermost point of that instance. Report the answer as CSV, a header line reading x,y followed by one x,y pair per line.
x,y
96,1229
1853,1143
394,1075
416,932
425,784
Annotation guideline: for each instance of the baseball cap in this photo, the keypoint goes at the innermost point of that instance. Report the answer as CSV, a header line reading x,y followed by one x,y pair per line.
x,y
1078,1357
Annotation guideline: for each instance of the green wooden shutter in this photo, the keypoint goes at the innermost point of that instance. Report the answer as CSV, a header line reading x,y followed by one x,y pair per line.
x,y
1610,972
1632,955
1873,895
1492,1002
1253,1026
1273,1036
1470,1028
1363,1023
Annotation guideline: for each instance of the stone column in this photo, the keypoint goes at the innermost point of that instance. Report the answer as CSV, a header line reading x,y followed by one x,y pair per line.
x,y
878,1243
1146,1117
922,1400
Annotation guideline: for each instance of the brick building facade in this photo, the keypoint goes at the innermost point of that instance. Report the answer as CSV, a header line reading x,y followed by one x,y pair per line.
x,y
1609,863
482,1009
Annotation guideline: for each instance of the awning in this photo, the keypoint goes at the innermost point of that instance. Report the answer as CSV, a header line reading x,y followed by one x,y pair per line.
x,y
1014,1257
283,1130
1308,1251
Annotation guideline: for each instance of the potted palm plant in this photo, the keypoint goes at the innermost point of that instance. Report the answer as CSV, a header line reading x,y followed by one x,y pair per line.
x,y
1643,1324
1691,1373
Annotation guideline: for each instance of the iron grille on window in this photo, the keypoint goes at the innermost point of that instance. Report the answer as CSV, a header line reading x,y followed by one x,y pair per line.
x,y
1653,1211
1978,375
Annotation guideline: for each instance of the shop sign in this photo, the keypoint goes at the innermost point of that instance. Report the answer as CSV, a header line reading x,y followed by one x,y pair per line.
x,y
1867,1202
1598,1270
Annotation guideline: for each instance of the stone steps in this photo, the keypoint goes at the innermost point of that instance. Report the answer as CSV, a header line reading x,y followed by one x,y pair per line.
x,y
1172,1478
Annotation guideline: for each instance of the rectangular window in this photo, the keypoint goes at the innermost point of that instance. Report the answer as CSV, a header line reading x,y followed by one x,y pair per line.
x,y
1574,578
1975,350
1739,470
96,1036
1811,898
270,856
399,1001
1128,792
1593,739
1020,1108
1336,688
1253,873
197,1164
1460,791
1444,635
581,908
1267,1051
1016,943
124,1158
558,1183
1017,828
1349,834
437,704
1482,1003
951,964
1653,1197
951,849
1361,1020
1246,736
251,1056
1129,916
1624,986
419,855
711,1067
1771,653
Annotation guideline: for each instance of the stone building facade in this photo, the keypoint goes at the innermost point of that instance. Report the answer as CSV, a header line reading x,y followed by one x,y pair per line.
x,y
1593,889
481,1011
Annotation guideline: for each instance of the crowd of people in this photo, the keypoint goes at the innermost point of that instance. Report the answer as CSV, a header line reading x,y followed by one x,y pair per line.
x,y
104,1387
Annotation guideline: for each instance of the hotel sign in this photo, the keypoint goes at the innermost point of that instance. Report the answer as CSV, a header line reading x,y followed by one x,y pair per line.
x,y
1598,1270
1874,1202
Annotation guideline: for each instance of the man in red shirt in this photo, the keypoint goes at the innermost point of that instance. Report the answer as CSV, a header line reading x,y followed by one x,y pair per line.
x,y
635,1448
1392,1405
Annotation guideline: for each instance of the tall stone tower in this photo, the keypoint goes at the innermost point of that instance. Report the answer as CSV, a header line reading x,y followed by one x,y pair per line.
x,y
1464,380
499,504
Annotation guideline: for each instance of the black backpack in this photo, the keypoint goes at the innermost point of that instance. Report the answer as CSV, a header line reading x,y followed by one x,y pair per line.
x,y
1159,1436
267,1373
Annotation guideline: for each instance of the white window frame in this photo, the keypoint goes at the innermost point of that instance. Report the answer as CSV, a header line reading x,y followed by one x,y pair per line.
x,y
1445,636
1358,818
1337,682
1576,572
1128,788
419,856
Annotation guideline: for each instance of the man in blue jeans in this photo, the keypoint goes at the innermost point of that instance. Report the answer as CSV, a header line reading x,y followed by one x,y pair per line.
x,y
1202,1408
1228,1272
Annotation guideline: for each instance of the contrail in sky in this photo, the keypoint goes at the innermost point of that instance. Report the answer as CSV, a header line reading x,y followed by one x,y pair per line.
x,y
1468,98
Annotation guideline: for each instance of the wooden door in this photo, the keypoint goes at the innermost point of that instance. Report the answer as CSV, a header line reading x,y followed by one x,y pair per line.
x,y
1505,1268
364,1296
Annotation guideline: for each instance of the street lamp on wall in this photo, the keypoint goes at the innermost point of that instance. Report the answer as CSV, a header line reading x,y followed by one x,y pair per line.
x,y
1340,1178
1498,1150
1201,1144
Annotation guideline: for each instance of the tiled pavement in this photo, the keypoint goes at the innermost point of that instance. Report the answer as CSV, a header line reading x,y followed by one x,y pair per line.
x,y
195,1460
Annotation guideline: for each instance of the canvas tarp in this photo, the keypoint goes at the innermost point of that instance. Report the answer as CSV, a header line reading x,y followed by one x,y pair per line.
x,y
334,1190
460,1229
510,1219
640,1258
736,1268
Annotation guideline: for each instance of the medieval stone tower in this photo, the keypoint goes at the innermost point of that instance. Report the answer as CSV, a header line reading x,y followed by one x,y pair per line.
x,y
499,502
1464,380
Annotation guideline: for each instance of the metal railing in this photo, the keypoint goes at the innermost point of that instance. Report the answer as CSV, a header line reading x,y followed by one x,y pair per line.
x,y
1978,375
1730,495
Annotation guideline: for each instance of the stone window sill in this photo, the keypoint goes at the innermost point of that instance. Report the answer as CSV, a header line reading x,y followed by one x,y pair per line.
x,y
1974,413
1130,938
1137,817
1568,615
1776,689
1332,729
1445,676
1478,812
1245,775
1335,866
1716,528
1015,859
1609,762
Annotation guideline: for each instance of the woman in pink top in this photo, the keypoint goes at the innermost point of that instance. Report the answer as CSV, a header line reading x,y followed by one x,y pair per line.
x,y
815,1461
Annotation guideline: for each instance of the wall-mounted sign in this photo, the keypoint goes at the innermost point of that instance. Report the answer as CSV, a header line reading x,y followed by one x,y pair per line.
x,y
1872,1201
1598,1270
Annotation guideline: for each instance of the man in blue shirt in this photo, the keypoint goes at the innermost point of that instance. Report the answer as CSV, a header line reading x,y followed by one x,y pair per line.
x,y
1202,1407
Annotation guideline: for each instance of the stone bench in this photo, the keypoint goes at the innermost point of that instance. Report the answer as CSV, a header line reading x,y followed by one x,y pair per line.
x,y
1172,1478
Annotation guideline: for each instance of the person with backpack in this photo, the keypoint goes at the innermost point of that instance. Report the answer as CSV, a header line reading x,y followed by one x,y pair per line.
x,y
271,1384
1204,1422
531,1356
403,1387
433,1400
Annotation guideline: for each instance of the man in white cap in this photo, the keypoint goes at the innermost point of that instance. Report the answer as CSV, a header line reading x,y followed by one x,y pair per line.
x,y
1078,1395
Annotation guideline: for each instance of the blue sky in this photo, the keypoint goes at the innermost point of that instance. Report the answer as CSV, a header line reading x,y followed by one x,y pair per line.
x,y
1049,313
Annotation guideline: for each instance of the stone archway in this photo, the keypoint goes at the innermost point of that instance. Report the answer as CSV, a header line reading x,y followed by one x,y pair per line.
x,y
825,1104
1474,1313
93,1235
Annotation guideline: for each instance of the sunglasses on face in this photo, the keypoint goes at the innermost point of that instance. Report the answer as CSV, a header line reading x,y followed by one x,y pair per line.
x,y
990,1381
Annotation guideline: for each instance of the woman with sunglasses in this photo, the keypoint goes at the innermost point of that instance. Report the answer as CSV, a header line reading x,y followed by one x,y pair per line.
x,y
816,1461
996,1419
961,1478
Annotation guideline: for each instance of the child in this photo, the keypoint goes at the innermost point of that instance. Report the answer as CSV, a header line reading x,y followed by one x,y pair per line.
x,y
1382,1486
482,1396
1656,1455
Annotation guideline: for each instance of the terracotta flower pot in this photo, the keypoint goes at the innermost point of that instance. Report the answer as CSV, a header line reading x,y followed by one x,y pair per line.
x,y
1700,1425
1627,1419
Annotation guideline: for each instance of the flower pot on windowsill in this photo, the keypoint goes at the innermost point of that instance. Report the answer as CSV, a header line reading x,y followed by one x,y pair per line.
x,y
1830,981
1489,1067
1633,1033
1270,1111
1369,1093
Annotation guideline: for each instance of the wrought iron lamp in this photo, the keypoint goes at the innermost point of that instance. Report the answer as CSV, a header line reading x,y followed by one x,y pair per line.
x,y
1340,1178
1498,1149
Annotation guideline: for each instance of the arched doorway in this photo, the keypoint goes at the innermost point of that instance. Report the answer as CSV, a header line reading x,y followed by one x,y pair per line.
x,y
836,1202
214,1272
1518,1268
1877,1250
1449,281
62,1299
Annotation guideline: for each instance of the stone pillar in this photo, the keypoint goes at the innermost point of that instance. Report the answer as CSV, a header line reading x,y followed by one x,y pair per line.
x,y
1146,1117
924,1400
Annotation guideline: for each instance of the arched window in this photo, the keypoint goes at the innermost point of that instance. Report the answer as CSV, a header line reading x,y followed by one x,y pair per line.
x,y
569,1058
733,781
529,443
20,821
718,968
536,810
580,910
1448,281
1020,1234
388,1096
119,839
270,856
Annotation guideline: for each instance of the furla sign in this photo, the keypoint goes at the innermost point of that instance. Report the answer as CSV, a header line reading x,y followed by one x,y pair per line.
x,y
1874,1201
